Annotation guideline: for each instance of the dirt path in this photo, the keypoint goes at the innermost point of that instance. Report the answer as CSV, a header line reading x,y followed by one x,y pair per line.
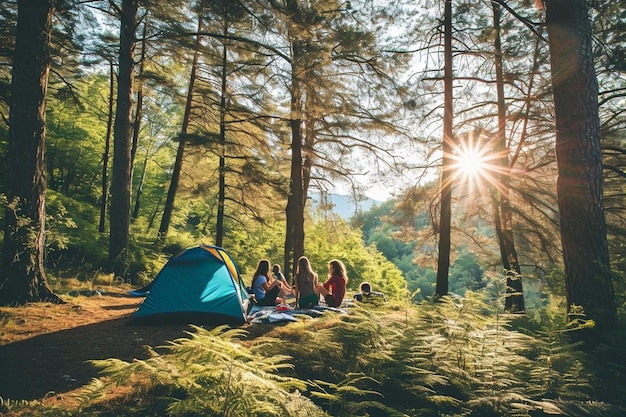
x,y
44,347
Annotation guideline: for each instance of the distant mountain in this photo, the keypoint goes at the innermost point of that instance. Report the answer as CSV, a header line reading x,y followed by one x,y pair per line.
x,y
344,205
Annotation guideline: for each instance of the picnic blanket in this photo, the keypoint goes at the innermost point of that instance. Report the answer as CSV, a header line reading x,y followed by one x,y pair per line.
x,y
286,313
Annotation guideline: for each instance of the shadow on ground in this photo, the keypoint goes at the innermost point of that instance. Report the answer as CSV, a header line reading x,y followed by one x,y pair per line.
x,y
56,363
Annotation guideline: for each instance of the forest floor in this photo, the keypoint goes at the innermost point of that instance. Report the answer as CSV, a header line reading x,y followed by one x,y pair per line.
x,y
45,348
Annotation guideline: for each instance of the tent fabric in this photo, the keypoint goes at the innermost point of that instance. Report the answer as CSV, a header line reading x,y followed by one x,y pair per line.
x,y
200,284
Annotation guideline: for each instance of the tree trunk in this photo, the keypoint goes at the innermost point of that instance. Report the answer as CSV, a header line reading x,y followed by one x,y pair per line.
x,y
137,125
105,156
296,196
139,106
140,185
153,216
288,267
443,261
122,142
579,185
309,141
180,153
23,278
295,203
309,138
514,302
221,199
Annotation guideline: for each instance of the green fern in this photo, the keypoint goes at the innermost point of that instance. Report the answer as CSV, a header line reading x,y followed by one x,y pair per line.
x,y
352,396
8,404
559,371
467,355
456,356
209,373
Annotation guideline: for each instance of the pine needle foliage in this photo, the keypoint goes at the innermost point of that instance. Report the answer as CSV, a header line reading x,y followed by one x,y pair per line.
x,y
208,373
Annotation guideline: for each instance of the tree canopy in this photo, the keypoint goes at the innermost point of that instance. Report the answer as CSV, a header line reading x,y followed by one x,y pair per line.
x,y
219,121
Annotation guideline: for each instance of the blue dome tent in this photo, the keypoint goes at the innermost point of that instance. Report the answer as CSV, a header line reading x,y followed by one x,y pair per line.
x,y
200,284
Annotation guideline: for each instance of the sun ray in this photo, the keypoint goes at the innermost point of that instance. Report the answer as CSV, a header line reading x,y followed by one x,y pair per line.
x,y
476,165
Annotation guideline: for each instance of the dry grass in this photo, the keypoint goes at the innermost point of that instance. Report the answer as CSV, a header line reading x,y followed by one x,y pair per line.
x,y
40,318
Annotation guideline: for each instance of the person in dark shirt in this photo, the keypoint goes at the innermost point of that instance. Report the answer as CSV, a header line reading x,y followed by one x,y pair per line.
x,y
366,294
286,289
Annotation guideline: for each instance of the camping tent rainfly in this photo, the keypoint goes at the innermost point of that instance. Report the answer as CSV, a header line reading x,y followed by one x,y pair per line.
x,y
200,284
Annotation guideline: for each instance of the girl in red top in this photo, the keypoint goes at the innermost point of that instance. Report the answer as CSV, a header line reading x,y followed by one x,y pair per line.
x,y
334,289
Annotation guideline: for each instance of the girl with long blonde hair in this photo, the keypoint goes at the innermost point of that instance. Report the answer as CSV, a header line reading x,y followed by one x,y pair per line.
x,y
305,282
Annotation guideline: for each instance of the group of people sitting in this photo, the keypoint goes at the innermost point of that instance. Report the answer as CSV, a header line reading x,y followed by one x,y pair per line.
x,y
272,288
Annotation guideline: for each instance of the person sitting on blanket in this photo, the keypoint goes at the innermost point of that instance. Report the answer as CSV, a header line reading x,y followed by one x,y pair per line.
x,y
366,294
334,289
286,289
305,282
265,287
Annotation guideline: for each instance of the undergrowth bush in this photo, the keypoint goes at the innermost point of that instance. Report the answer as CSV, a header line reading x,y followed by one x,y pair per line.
x,y
209,374
451,356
